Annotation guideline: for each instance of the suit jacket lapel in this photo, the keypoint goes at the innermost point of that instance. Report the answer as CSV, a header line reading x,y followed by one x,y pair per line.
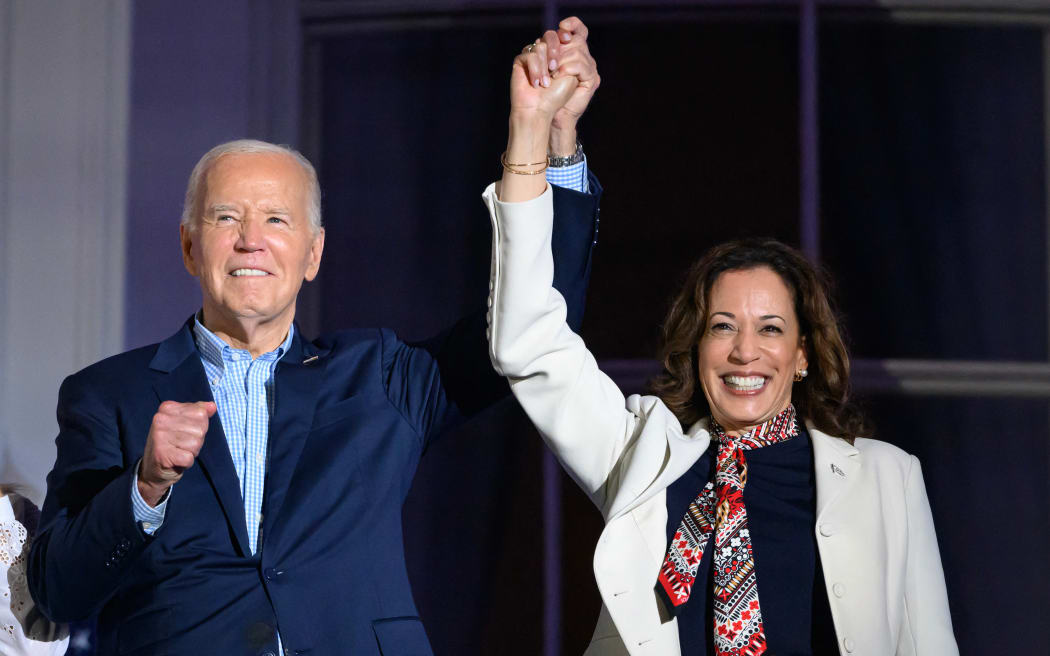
x,y
836,464
297,387
186,383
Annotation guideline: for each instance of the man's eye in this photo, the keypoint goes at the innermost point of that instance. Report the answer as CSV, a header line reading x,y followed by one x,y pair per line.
x,y
275,220
223,218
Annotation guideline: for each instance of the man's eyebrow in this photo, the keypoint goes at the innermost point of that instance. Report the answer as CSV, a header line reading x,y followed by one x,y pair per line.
x,y
223,207
275,209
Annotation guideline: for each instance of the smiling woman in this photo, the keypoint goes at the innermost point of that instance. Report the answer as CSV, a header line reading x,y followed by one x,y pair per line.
x,y
745,511
788,285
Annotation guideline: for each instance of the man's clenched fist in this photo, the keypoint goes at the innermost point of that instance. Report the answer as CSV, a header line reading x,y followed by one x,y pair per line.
x,y
175,438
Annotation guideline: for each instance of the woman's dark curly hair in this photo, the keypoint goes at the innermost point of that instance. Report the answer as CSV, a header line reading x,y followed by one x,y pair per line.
x,y
822,397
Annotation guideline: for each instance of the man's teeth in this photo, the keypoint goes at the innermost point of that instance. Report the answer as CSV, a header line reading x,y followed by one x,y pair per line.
x,y
745,382
248,272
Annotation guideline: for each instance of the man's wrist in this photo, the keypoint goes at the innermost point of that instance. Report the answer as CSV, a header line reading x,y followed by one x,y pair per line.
x,y
562,141
152,494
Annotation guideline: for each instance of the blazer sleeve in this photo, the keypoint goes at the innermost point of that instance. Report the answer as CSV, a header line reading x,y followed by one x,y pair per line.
x,y
925,594
88,537
578,410
438,382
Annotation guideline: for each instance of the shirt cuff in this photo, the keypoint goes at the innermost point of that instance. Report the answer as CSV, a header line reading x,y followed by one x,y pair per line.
x,y
148,517
573,176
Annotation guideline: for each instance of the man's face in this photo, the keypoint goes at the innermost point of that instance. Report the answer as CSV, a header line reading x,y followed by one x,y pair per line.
x,y
251,243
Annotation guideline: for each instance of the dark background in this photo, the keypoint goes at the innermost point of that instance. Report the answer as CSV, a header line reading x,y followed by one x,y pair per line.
x,y
932,221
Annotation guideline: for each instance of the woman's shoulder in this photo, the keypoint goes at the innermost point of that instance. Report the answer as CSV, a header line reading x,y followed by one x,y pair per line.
x,y
884,455
871,451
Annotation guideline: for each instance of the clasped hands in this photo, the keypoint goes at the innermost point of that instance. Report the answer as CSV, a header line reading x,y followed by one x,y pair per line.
x,y
552,82
556,77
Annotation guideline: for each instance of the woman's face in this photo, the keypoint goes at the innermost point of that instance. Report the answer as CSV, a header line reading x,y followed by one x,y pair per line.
x,y
750,348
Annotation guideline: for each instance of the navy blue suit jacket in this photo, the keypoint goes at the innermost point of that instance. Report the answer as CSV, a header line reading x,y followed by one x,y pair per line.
x,y
354,412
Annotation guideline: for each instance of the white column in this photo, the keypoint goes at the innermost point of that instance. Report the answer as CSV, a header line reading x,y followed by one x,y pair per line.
x,y
64,86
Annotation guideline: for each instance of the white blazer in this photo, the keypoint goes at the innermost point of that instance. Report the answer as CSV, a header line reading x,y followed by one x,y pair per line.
x,y
874,528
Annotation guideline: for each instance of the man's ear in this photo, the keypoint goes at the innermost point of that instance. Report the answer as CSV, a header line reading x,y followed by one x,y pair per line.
x,y
186,235
316,249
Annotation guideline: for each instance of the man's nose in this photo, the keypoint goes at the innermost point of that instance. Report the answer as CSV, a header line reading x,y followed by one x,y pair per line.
x,y
251,235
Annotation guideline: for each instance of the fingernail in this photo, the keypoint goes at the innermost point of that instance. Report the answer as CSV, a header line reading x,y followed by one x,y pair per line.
x,y
565,36
553,64
536,83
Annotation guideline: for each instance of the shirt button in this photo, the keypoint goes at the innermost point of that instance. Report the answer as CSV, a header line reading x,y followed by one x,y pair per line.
x,y
258,517
258,459
839,590
147,525
826,530
849,644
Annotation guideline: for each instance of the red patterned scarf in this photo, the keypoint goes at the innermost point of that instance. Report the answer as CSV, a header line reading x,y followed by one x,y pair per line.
x,y
719,510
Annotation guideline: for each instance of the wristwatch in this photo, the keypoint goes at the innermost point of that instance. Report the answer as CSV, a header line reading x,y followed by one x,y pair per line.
x,y
575,158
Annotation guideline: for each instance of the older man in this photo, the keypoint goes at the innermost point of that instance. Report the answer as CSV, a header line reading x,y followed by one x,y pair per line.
x,y
237,489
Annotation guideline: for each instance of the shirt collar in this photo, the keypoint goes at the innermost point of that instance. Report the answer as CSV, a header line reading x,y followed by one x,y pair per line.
x,y
216,352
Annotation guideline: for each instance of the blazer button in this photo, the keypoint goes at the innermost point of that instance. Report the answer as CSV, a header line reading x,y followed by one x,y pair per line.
x,y
839,590
826,530
849,645
270,574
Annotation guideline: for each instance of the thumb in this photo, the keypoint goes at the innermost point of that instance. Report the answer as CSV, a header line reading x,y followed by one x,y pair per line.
x,y
561,89
209,407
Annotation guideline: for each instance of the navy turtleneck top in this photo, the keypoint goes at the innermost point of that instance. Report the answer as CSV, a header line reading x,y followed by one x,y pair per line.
x,y
780,496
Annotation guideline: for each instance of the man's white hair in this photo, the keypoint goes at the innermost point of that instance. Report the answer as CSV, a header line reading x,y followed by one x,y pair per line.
x,y
191,206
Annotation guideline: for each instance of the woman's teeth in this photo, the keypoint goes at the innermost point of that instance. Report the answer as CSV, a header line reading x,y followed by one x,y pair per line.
x,y
744,383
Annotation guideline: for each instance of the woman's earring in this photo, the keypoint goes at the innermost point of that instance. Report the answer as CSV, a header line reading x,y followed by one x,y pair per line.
x,y
800,374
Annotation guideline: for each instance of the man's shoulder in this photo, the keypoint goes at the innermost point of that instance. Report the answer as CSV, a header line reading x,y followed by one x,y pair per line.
x,y
356,340
115,367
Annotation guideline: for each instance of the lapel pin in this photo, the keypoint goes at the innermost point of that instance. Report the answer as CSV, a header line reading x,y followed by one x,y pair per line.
x,y
310,359
836,470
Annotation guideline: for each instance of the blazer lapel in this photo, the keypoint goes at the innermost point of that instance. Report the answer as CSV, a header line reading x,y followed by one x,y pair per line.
x,y
297,387
837,465
186,383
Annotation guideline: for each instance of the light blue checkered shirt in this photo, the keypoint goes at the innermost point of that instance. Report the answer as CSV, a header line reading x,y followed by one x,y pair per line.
x,y
572,177
243,392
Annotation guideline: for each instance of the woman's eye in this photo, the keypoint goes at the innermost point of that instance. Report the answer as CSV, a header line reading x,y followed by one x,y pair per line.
x,y
772,329
721,327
